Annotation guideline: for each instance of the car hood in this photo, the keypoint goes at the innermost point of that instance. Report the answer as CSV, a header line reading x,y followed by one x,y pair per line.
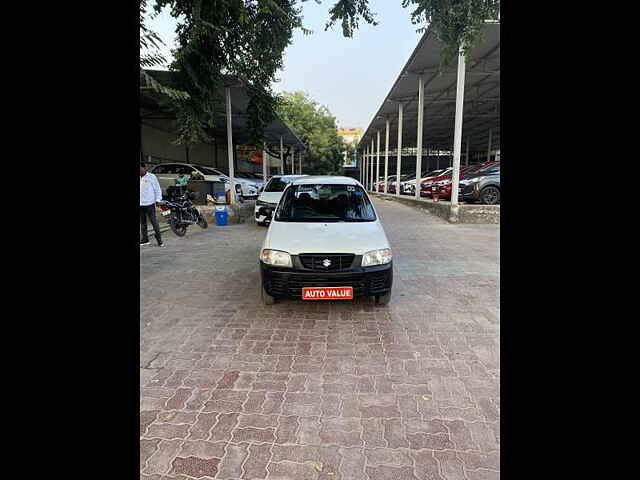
x,y
270,197
246,181
339,237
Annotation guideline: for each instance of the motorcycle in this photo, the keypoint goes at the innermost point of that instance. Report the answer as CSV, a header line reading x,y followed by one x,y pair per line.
x,y
182,213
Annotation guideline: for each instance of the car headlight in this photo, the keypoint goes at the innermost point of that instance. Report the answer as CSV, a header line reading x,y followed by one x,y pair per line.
x,y
276,258
476,179
377,257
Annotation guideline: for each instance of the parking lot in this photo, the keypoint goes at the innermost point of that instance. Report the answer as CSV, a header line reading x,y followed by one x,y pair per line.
x,y
233,389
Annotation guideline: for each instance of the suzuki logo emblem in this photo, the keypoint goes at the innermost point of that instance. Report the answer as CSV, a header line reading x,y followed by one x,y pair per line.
x,y
326,262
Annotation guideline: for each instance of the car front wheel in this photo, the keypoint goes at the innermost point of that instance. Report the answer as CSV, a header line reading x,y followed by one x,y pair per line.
x,y
266,298
383,299
490,195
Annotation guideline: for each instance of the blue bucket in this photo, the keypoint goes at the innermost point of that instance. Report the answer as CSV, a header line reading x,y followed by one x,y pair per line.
x,y
222,217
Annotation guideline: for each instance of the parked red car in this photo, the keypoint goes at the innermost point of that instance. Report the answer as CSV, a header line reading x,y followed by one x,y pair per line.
x,y
444,181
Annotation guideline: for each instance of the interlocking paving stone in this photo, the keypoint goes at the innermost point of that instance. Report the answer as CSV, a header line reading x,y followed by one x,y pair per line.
x,y
232,389
196,467
161,459
202,449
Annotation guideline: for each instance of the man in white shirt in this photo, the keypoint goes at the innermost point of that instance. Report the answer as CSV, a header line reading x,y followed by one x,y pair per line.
x,y
150,194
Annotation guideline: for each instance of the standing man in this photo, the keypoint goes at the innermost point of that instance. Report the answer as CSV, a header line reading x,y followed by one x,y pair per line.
x,y
150,193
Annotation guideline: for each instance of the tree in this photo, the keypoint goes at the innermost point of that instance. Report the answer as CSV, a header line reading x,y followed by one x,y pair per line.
x,y
455,23
245,39
316,127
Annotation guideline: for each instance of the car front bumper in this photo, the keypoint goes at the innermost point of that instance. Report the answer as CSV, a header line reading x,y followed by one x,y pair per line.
x,y
288,282
469,192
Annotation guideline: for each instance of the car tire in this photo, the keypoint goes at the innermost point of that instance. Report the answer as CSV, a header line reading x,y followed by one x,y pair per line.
x,y
490,195
383,299
266,298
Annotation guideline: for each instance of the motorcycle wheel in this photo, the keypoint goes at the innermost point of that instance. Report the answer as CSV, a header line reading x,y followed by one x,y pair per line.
x,y
179,230
202,222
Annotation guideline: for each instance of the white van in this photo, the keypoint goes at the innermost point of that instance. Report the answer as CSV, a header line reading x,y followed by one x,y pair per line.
x,y
326,242
270,196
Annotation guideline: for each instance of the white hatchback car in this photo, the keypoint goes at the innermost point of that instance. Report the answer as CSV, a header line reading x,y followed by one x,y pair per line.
x,y
326,242
270,196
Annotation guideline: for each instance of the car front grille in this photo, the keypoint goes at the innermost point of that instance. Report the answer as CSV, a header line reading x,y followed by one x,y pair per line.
x,y
319,261
291,284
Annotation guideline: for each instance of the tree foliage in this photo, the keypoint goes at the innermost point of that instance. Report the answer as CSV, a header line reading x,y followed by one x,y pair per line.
x,y
316,127
150,57
217,39
455,23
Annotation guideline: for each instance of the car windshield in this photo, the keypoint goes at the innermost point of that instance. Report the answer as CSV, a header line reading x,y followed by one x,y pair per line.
x,y
325,203
277,184
489,168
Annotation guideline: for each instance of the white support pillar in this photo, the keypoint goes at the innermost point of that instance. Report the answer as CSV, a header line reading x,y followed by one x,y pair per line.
x,y
281,157
300,160
419,142
457,136
378,162
366,166
399,161
264,161
386,160
489,147
371,181
293,161
466,157
230,145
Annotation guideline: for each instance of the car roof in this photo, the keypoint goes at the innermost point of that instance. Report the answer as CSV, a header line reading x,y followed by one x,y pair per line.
x,y
326,179
186,165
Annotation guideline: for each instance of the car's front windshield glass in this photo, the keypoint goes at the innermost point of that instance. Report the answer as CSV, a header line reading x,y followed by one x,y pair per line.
x,y
277,184
490,168
325,203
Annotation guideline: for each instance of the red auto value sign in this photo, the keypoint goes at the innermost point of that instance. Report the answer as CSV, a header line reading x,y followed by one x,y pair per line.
x,y
327,293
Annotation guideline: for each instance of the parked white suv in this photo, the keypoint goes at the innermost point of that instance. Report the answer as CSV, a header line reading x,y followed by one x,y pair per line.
x,y
270,196
325,242
168,172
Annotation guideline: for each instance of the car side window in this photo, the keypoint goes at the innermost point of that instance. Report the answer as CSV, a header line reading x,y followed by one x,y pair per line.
x,y
160,169
183,169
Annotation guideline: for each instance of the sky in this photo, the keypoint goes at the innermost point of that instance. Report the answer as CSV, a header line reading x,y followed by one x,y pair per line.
x,y
350,76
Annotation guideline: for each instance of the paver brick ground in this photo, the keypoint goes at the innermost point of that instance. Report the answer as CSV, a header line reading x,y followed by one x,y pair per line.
x,y
232,389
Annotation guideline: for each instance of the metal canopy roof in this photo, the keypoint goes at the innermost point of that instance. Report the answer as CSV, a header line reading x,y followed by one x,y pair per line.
x,y
481,98
152,113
